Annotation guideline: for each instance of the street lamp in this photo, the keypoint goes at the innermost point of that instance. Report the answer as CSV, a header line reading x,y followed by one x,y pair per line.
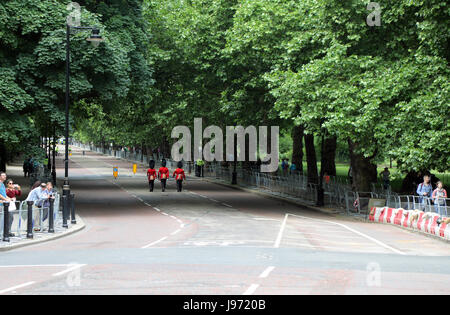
x,y
95,39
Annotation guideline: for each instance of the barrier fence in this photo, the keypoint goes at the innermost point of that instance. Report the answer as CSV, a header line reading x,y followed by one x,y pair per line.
x,y
338,192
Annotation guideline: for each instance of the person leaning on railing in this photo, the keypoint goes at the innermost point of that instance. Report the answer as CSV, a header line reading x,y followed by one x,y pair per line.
x,y
12,191
38,197
439,195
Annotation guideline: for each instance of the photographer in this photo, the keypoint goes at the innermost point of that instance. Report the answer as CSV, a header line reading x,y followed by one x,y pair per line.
x,y
12,191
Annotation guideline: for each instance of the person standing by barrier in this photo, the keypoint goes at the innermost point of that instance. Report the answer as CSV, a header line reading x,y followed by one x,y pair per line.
x,y
37,196
424,190
151,175
179,176
439,195
3,195
163,175
12,191
46,196
386,180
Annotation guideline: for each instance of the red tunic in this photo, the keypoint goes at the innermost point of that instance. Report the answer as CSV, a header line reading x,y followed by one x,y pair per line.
x,y
179,174
151,173
13,193
163,171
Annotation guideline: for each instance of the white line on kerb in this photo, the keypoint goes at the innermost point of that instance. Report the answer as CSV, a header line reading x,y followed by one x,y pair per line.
x,y
154,243
356,232
71,268
252,289
266,272
280,234
17,287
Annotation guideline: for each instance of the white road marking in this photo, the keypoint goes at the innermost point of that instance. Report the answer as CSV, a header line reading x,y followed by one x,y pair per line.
x,y
227,205
182,225
251,290
17,287
212,199
154,243
356,232
266,272
280,234
176,232
73,267
164,213
29,266
266,219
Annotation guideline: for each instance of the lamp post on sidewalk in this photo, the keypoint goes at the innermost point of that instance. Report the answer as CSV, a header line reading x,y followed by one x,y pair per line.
x,y
95,39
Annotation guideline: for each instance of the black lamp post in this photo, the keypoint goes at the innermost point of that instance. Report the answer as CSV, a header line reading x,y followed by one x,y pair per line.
x,y
95,39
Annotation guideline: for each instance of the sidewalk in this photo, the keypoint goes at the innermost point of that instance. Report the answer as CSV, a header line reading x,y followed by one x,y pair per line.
x,y
14,171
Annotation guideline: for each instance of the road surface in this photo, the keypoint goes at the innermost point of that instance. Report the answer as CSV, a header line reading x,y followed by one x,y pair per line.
x,y
212,239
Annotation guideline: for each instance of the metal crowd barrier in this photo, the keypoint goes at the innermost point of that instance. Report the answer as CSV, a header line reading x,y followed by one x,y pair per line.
x,y
20,217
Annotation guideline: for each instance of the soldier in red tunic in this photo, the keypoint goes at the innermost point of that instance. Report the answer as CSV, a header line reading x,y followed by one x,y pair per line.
x,y
179,176
151,174
163,174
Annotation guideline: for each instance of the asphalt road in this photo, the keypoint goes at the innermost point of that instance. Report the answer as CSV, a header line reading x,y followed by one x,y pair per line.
x,y
212,239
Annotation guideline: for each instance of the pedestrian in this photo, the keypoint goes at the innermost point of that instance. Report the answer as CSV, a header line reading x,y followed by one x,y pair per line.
x,y
179,176
48,194
163,175
151,175
200,165
12,191
4,197
293,168
326,178
424,190
37,196
439,195
386,180
26,167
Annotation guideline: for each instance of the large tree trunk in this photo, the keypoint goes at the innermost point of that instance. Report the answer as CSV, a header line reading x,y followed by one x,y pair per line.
x,y
2,157
297,147
328,157
311,159
364,172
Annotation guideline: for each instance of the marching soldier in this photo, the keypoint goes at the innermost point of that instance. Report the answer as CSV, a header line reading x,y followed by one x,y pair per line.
x,y
179,176
163,174
151,174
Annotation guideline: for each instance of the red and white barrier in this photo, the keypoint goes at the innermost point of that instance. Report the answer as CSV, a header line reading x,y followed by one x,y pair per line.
x,y
415,219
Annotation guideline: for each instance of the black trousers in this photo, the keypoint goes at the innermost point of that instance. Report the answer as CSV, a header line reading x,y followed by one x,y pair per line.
x,y
179,185
163,184
151,184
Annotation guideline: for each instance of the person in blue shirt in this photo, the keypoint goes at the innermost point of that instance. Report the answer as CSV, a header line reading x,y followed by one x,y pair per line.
x,y
424,189
3,196
38,196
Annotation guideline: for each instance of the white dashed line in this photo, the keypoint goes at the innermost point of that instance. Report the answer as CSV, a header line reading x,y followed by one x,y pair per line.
x,y
252,289
154,243
72,268
17,287
227,205
266,272
176,232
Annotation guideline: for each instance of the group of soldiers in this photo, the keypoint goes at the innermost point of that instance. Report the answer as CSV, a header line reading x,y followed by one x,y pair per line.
x,y
163,175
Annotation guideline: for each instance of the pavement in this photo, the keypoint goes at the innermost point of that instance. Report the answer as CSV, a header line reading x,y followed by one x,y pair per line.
x,y
215,240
